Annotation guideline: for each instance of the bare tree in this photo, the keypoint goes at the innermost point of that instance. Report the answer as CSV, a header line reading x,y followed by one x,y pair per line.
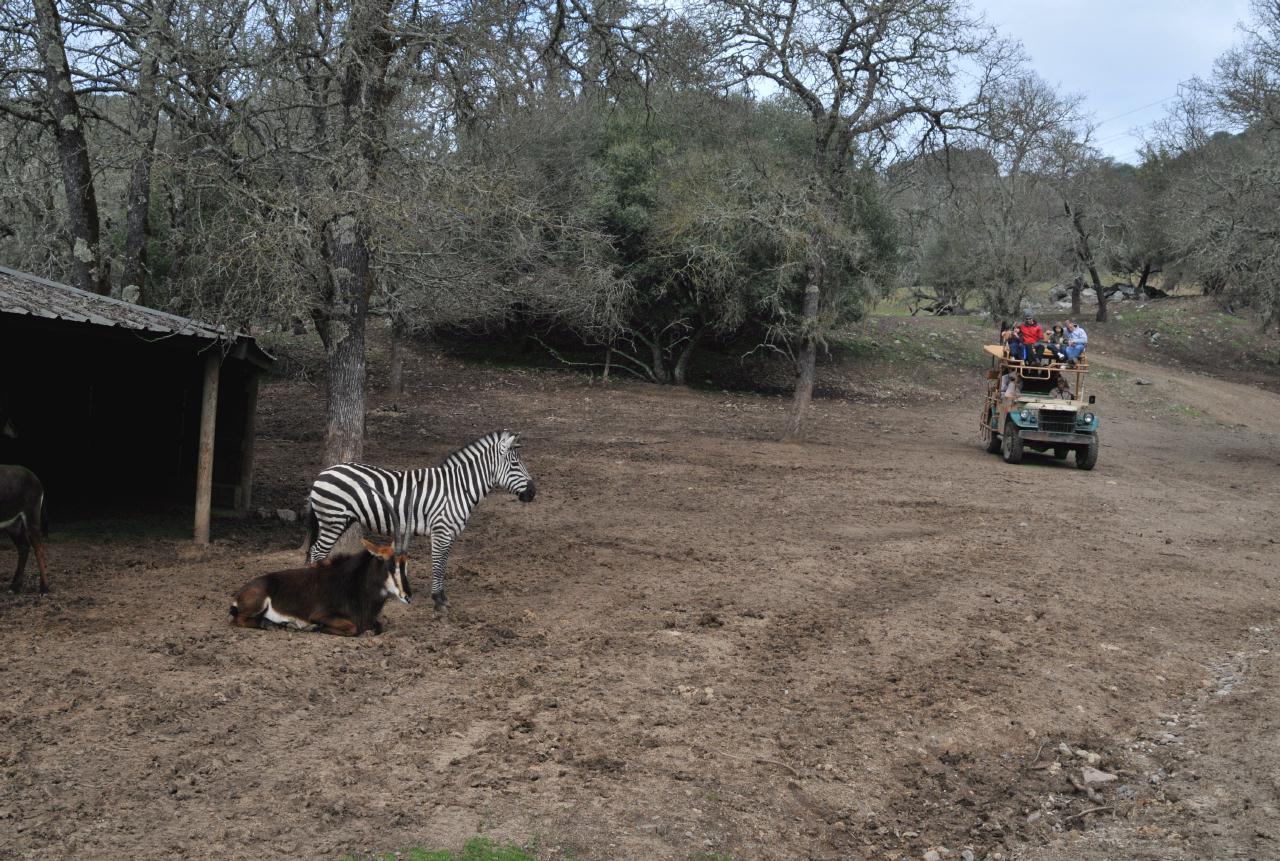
x,y
865,70
1218,153
41,88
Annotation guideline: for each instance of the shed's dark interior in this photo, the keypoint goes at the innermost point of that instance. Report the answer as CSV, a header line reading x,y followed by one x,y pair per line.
x,y
106,416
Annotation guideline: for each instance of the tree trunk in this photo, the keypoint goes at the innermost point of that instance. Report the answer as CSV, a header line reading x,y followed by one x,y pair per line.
x,y
138,206
658,370
347,255
682,364
1142,278
366,52
1101,293
73,152
396,381
1085,255
1077,285
806,364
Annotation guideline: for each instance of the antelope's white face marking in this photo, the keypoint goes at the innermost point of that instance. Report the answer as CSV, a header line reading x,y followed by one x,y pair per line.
x,y
391,587
281,619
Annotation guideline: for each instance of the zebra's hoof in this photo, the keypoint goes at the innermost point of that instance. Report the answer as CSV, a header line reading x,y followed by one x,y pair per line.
x,y
440,601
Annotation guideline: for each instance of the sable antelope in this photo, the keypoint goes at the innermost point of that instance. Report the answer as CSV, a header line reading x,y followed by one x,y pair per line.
x,y
22,515
343,598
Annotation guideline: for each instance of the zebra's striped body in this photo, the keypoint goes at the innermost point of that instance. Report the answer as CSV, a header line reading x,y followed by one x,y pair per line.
x,y
435,501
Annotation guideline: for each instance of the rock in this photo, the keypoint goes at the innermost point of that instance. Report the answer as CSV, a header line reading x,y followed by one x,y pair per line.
x,y
933,855
966,855
1064,750
264,513
287,515
1141,382
1089,756
1094,775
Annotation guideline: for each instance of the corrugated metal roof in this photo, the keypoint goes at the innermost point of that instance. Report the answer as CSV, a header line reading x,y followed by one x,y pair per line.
x,y
24,293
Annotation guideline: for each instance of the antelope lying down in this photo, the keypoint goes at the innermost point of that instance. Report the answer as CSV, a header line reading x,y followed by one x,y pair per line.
x,y
22,517
342,598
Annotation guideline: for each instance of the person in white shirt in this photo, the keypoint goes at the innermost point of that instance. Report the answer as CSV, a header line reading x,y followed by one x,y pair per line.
x,y
1077,340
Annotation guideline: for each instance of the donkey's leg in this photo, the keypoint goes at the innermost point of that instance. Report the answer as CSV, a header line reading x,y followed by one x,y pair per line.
x,y
38,543
17,530
440,547
20,541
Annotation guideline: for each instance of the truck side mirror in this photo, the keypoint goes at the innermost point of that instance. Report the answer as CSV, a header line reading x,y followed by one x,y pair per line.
x,y
1093,399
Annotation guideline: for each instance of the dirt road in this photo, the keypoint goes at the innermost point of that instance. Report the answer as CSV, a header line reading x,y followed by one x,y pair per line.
x,y
698,642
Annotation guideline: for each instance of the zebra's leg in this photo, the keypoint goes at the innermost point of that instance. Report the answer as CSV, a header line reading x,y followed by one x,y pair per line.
x,y
330,532
440,547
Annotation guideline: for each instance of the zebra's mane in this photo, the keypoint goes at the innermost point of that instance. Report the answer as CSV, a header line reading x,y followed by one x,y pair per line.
x,y
470,451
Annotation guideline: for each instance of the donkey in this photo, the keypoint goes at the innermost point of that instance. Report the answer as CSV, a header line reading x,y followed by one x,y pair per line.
x,y
22,515
342,598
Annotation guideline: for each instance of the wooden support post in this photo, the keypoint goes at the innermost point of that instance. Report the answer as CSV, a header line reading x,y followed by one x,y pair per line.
x,y
246,442
208,425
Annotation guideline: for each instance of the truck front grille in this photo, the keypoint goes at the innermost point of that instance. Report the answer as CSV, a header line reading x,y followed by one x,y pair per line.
x,y
1057,421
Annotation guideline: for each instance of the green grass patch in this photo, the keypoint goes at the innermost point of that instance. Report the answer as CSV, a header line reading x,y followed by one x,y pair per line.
x,y
475,849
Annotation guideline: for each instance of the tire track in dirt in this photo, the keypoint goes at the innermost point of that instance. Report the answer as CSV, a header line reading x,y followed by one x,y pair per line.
x,y
1231,403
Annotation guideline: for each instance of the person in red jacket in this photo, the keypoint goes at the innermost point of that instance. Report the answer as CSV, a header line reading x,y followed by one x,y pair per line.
x,y
1030,333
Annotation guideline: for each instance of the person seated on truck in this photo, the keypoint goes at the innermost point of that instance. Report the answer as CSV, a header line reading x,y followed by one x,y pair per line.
x,y
1006,337
1029,335
1077,341
1010,388
1056,343
1061,390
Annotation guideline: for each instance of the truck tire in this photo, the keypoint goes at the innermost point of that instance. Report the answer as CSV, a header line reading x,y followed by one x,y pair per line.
x,y
993,438
1087,455
1060,452
1011,443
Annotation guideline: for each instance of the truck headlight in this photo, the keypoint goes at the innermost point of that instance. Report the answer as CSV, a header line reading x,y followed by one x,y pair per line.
x,y
1087,419
1025,415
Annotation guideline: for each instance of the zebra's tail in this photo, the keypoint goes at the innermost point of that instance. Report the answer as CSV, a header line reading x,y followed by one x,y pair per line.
x,y
313,528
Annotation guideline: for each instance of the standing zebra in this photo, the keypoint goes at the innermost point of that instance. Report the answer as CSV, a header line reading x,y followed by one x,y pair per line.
x,y
433,501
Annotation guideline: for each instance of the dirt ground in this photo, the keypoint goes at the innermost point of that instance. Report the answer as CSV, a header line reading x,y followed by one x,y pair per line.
x,y
697,643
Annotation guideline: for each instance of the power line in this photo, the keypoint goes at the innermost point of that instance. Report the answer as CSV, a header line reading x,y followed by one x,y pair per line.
x,y
1135,110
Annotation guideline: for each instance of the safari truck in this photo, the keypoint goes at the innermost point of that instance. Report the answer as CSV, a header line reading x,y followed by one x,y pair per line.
x,y
1038,419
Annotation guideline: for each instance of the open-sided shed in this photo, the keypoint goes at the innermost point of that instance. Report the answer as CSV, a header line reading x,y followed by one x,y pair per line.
x,y
112,403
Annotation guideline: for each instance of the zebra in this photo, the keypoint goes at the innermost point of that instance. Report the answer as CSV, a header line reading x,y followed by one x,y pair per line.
x,y
434,501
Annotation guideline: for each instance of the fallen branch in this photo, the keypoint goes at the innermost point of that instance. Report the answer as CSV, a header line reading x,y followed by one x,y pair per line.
x,y
1036,758
1089,810
1085,788
563,360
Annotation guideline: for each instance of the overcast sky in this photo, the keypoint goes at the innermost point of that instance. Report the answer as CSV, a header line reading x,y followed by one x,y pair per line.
x,y
1121,55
